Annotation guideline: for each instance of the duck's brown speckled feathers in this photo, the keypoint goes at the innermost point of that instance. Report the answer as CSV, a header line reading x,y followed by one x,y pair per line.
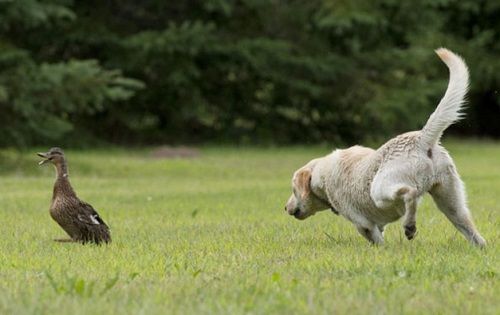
x,y
82,223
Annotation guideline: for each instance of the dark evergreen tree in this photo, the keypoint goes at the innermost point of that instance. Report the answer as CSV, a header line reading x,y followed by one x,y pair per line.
x,y
239,70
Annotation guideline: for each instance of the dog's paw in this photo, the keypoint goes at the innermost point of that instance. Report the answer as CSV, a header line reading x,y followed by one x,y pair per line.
x,y
479,241
410,231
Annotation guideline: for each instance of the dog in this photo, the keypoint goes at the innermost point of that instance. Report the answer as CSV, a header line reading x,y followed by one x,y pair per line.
x,y
372,188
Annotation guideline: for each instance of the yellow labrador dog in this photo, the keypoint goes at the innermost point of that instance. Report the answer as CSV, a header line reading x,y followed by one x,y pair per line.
x,y
372,188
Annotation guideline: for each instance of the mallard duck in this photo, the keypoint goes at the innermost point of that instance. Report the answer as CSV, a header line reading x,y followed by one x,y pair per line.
x,y
82,223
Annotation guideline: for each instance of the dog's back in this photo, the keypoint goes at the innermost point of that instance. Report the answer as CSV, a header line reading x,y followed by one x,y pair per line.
x,y
418,151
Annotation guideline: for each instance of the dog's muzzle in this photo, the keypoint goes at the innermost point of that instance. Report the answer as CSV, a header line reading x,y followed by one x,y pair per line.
x,y
295,212
299,215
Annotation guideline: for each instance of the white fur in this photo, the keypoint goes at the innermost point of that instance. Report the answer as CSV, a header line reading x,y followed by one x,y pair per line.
x,y
372,188
448,110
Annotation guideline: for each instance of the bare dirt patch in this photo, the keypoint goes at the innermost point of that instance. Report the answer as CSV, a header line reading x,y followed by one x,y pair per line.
x,y
170,152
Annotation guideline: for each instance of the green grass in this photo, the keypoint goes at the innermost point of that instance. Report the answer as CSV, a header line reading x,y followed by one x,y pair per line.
x,y
209,235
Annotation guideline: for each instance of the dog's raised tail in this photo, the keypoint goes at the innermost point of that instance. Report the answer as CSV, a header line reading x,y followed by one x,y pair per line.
x,y
449,108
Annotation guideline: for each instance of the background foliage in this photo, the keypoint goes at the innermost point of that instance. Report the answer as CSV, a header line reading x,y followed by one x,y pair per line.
x,y
254,71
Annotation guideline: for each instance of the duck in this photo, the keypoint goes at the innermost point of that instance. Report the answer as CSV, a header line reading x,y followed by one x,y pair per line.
x,y
77,218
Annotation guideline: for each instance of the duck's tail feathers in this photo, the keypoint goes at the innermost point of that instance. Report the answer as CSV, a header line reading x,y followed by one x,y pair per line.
x,y
97,234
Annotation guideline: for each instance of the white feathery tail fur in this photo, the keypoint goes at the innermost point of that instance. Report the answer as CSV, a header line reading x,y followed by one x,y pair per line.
x,y
449,108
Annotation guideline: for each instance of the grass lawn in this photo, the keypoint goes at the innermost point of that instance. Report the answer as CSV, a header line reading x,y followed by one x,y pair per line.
x,y
209,235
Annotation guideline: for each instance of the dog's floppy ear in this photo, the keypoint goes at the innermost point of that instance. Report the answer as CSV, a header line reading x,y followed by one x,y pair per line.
x,y
303,181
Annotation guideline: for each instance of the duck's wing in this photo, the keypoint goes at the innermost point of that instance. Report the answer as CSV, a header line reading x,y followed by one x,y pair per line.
x,y
88,215
91,227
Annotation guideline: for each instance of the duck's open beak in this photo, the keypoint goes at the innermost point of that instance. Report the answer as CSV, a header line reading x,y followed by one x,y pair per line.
x,y
43,155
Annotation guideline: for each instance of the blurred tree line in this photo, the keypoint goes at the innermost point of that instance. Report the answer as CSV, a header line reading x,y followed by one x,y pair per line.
x,y
255,71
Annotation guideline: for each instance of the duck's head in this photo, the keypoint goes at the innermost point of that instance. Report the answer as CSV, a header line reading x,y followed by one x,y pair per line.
x,y
55,156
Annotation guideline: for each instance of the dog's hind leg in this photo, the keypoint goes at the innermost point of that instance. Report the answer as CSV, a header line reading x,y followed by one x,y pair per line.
x,y
400,192
449,196
409,196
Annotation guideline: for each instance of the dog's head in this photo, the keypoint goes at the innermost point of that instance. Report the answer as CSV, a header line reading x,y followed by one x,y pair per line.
x,y
304,202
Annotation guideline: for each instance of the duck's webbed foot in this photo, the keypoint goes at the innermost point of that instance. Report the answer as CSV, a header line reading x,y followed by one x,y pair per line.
x,y
64,240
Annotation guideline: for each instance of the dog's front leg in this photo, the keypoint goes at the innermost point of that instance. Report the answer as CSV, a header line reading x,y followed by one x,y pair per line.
x,y
372,233
365,227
